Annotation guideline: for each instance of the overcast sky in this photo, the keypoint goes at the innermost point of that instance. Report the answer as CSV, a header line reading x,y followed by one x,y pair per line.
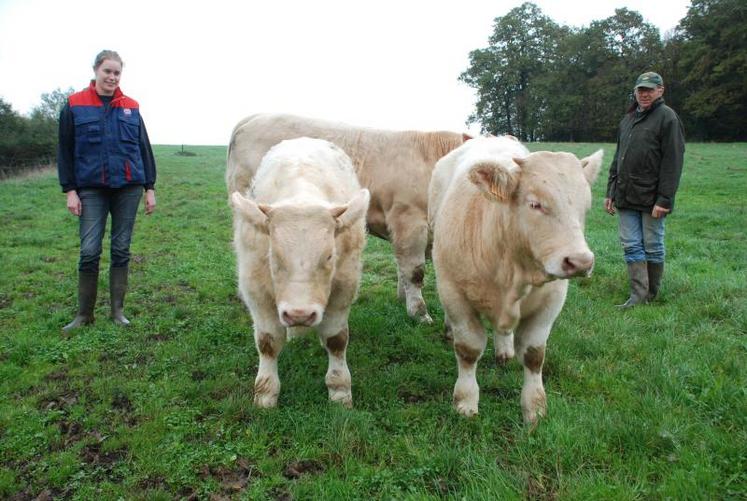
x,y
198,67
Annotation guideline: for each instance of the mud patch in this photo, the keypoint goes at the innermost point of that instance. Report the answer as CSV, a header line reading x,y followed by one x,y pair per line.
x,y
71,431
280,494
232,479
156,483
58,375
410,397
158,337
59,402
103,463
121,402
537,489
45,495
303,467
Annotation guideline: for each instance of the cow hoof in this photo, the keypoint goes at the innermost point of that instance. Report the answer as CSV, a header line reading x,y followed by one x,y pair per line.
x,y
535,409
346,400
503,358
265,401
466,409
532,417
425,319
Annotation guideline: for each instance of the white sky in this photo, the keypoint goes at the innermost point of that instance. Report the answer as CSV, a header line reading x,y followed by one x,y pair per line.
x,y
198,67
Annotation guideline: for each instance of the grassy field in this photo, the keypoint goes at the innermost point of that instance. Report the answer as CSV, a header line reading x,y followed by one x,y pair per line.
x,y
643,404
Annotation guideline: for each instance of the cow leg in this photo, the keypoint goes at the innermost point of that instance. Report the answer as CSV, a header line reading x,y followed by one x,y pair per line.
x,y
531,339
447,328
409,232
333,334
269,339
504,346
469,344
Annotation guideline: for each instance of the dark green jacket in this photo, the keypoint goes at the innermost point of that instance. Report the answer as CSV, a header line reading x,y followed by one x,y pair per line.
x,y
648,161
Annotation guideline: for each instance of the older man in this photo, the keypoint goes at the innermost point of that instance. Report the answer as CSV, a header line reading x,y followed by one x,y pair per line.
x,y
643,180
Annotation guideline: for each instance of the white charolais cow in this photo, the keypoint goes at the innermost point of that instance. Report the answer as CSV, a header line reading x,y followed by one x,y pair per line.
x,y
395,166
299,232
508,230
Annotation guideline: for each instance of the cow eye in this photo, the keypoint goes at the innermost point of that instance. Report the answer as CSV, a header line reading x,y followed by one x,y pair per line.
x,y
536,205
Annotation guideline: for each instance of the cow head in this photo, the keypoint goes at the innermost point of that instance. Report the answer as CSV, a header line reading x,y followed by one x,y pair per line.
x,y
303,251
546,196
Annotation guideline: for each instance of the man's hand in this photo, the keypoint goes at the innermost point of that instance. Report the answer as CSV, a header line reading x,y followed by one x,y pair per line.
x,y
150,202
73,203
659,211
609,206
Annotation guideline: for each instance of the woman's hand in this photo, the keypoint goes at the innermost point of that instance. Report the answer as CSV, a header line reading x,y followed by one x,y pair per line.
x,y
73,203
150,202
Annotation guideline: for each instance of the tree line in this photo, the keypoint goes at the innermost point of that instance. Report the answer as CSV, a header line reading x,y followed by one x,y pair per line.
x,y
30,140
539,80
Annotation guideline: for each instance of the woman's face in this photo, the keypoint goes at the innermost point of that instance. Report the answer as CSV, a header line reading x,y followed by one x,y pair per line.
x,y
107,77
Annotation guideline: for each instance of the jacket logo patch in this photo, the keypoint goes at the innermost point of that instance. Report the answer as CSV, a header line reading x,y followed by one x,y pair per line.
x,y
127,111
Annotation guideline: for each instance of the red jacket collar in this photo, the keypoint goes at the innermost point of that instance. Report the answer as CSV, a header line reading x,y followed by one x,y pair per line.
x,y
92,89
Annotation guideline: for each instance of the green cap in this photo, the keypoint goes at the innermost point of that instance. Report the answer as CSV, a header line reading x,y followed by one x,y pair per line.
x,y
649,79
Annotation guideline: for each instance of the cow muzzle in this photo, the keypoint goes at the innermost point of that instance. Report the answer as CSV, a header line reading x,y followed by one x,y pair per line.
x,y
300,316
579,264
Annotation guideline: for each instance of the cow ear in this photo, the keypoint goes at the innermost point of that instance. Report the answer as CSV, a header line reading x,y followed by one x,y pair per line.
x,y
254,214
591,165
466,137
347,215
495,180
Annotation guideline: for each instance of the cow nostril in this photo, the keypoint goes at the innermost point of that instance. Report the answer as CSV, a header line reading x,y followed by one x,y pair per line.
x,y
568,265
287,318
311,318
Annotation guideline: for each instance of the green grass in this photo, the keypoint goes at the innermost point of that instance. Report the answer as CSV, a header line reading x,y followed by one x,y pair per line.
x,y
643,404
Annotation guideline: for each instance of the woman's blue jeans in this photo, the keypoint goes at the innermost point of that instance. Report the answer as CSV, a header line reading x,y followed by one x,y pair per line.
x,y
98,203
642,236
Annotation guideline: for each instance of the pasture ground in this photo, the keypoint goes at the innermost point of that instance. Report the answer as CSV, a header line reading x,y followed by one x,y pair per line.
x,y
643,404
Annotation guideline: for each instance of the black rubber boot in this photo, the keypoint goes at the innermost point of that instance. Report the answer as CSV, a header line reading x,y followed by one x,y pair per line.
x,y
638,273
87,285
117,290
655,272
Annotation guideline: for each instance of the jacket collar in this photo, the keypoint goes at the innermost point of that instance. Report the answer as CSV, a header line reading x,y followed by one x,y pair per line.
x,y
92,89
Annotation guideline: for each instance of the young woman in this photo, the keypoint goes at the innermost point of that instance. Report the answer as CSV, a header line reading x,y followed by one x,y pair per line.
x,y
104,163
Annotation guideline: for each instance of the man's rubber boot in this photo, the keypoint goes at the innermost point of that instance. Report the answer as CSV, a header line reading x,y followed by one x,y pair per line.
x,y
638,273
655,272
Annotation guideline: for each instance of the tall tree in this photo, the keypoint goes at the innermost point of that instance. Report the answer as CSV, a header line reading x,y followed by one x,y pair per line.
x,y
714,62
539,80
522,44
52,103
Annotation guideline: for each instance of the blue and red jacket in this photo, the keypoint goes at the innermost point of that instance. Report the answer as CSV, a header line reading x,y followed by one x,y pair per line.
x,y
103,144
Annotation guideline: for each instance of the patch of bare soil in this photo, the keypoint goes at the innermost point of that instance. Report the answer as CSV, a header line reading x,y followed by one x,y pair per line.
x,y
233,479
303,467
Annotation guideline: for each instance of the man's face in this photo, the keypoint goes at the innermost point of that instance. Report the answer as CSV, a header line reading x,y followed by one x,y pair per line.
x,y
645,97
